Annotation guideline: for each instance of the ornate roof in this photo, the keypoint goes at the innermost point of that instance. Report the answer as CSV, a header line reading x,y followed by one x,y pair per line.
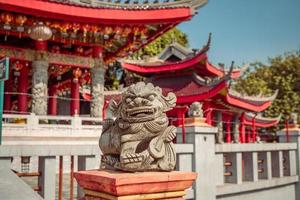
x,y
250,103
186,88
260,121
208,81
120,27
108,12
187,59
255,99
134,4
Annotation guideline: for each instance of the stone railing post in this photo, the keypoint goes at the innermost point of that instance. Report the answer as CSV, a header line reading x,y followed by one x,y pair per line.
x,y
32,121
76,122
203,138
293,137
46,180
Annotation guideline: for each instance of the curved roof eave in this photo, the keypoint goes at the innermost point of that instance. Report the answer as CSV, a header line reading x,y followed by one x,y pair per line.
x,y
260,121
199,97
103,15
165,67
241,103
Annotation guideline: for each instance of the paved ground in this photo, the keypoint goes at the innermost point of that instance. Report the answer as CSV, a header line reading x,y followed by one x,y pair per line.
x,y
32,181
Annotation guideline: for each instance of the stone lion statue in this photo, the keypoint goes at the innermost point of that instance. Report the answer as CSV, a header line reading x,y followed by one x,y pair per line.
x,y
139,138
195,110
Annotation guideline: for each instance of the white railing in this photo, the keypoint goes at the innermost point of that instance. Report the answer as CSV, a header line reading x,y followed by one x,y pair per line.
x,y
85,156
33,129
224,170
248,167
34,121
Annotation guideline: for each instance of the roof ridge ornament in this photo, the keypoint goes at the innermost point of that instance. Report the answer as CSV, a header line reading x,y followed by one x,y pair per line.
x,y
136,4
212,81
206,47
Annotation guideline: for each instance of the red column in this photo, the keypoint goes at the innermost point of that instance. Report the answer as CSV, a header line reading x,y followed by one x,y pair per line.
x,y
40,45
208,112
228,131
75,98
242,129
23,90
249,136
52,103
97,51
7,97
253,130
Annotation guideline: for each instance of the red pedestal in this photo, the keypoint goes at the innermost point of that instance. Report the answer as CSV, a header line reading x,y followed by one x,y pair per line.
x,y
23,89
75,98
110,185
52,105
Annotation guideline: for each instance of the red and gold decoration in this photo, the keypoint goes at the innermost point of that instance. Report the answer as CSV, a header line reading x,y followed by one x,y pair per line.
x,y
115,39
77,74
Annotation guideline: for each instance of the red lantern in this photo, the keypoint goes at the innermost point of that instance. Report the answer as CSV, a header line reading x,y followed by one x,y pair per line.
x,y
7,18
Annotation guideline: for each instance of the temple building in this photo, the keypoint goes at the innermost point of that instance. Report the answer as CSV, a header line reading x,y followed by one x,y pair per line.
x,y
59,49
191,76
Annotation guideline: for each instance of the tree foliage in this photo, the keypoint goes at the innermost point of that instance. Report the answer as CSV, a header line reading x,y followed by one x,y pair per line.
x,y
282,73
162,42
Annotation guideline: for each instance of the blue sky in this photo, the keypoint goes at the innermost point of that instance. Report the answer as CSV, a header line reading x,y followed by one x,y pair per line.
x,y
246,30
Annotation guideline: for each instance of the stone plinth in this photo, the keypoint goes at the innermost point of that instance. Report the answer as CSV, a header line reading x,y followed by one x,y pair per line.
x,y
195,121
117,185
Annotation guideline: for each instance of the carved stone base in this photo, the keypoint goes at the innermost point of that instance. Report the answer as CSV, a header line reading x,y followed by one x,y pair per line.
x,y
116,185
195,121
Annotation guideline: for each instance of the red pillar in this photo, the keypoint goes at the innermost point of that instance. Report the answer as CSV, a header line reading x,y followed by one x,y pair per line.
x,y
23,90
207,109
52,103
242,129
40,45
253,130
249,137
228,131
7,96
75,98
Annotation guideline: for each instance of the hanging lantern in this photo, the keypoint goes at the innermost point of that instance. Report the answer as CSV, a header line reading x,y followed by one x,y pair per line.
x,y
40,32
64,29
7,18
75,28
85,29
118,32
76,73
136,31
144,34
20,21
107,31
126,32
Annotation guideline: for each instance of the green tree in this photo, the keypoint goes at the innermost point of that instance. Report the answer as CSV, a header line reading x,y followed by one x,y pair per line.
x,y
282,73
162,42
